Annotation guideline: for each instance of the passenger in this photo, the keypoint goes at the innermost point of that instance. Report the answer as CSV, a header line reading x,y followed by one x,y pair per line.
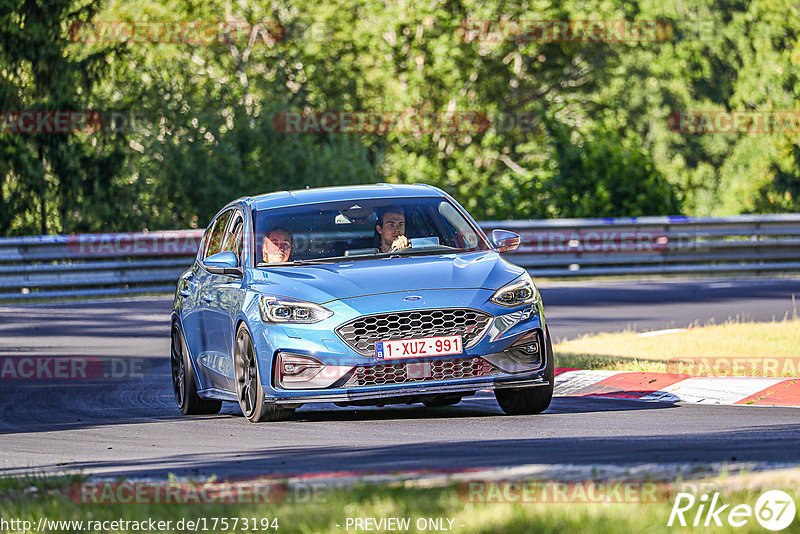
x,y
277,246
391,228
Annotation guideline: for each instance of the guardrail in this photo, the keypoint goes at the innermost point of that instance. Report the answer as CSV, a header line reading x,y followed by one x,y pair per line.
x,y
115,264
84,265
752,244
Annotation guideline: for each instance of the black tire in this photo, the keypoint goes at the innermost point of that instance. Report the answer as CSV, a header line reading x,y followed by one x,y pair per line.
x,y
528,401
183,384
442,401
249,390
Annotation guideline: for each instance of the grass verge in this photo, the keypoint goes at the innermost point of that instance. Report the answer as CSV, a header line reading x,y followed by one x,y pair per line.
x,y
730,349
33,499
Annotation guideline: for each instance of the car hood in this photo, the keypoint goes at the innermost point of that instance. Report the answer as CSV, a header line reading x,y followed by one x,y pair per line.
x,y
327,282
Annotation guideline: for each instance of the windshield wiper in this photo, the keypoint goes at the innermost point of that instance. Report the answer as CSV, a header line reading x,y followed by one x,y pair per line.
x,y
440,249
425,251
318,261
292,263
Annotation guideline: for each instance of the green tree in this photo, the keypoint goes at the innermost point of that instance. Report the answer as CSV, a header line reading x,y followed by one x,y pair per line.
x,y
576,128
50,182
604,175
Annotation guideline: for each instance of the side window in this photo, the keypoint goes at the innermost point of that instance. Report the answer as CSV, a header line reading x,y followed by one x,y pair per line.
x,y
233,237
206,239
215,238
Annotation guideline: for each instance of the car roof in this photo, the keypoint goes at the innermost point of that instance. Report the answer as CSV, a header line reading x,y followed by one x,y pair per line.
x,y
282,199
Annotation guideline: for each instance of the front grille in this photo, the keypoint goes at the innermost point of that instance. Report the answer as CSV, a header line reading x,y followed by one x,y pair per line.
x,y
401,373
362,333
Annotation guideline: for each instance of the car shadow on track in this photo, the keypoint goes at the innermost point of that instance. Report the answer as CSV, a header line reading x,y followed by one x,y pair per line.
x,y
482,405
48,407
753,444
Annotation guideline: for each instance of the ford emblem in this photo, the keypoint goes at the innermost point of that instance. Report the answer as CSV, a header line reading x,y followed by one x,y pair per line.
x,y
412,298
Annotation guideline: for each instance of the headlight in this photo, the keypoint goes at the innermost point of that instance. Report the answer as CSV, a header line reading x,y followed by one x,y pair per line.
x,y
274,310
517,293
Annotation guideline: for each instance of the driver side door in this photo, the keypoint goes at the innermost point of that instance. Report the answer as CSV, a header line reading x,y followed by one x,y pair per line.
x,y
222,297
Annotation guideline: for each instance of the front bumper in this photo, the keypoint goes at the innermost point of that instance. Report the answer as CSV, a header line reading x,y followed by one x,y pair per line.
x,y
409,390
319,341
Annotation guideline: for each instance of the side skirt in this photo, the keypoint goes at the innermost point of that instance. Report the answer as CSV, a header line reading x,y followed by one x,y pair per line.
x,y
217,394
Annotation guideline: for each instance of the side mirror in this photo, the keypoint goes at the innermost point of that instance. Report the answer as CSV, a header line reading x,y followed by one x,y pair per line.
x,y
223,263
505,241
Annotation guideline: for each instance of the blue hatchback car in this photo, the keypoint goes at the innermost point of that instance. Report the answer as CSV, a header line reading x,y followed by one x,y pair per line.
x,y
363,295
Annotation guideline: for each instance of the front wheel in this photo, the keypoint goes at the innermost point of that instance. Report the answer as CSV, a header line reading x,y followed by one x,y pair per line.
x,y
248,383
533,400
183,384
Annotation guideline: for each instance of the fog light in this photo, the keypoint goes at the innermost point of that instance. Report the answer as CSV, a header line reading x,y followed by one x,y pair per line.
x,y
296,368
528,349
532,348
296,371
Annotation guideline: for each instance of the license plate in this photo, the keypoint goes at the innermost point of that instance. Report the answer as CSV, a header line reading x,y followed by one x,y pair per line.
x,y
416,348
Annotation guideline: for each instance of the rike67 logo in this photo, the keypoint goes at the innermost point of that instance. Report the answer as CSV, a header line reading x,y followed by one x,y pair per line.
x,y
774,510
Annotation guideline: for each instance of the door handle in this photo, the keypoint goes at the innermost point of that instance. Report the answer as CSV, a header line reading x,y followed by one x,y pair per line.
x,y
208,298
183,293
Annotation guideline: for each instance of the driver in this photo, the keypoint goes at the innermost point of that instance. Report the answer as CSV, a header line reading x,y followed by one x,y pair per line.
x,y
391,227
277,246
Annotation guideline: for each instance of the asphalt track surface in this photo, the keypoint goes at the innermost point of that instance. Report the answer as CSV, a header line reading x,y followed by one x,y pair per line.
x,y
129,425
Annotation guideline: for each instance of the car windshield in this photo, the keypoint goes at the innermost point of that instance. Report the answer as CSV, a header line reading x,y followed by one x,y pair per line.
x,y
360,229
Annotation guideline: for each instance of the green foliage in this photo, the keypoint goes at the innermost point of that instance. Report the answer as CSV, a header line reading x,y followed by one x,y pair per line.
x,y
780,192
536,505
576,129
51,181
603,175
